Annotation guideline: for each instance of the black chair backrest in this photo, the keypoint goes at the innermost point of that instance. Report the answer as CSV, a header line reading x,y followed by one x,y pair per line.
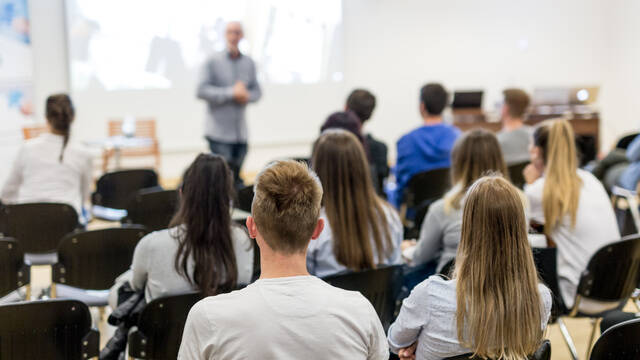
x,y
245,198
38,226
546,261
52,329
619,342
152,208
448,268
94,259
13,272
423,189
380,286
625,141
543,353
427,185
516,175
613,271
115,189
160,327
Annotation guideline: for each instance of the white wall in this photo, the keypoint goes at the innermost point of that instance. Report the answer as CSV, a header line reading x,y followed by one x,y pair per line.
x,y
393,47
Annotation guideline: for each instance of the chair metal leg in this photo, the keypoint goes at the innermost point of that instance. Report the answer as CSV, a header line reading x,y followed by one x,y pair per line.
x,y
595,323
567,339
53,293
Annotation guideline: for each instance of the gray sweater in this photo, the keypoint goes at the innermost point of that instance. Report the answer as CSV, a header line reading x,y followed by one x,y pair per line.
x,y
439,235
225,119
153,263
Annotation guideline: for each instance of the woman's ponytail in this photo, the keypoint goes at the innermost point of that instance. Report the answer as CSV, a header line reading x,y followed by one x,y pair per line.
x,y
60,114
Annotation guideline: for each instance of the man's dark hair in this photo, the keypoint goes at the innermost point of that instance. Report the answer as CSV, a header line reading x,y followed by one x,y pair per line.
x,y
434,97
361,102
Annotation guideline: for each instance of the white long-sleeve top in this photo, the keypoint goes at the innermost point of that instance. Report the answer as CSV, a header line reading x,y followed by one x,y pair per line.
x,y
595,227
38,175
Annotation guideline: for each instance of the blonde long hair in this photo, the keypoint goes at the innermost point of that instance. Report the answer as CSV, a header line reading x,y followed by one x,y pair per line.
x,y
499,309
474,154
561,192
354,210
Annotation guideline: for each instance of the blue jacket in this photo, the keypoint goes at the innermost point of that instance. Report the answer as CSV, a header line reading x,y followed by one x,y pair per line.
x,y
631,175
425,148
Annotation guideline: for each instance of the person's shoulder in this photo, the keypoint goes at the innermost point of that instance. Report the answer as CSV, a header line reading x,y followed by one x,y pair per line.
x,y
346,298
157,239
546,297
587,177
534,189
434,286
373,142
223,305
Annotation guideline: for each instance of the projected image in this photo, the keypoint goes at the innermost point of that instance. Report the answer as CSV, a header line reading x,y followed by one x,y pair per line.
x,y
160,44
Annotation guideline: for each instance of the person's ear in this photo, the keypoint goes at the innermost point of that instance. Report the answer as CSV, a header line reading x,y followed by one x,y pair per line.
x,y
318,230
251,226
423,110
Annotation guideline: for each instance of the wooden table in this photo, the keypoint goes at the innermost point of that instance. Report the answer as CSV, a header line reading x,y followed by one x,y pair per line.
x,y
585,125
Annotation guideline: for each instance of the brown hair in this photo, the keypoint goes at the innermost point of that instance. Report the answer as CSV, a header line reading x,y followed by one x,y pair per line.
x,y
203,226
562,184
474,154
286,205
354,210
499,310
517,102
60,114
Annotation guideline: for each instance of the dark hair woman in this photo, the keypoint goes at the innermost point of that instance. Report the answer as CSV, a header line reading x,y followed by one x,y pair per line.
x,y
201,250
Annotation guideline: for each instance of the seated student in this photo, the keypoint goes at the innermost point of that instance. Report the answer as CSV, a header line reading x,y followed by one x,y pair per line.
x,y
427,147
515,136
286,314
361,230
621,167
202,249
475,153
494,306
46,169
571,203
362,102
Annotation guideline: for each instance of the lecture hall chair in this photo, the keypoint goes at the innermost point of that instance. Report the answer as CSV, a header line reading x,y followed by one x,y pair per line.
x,y
38,227
14,273
611,276
380,286
160,326
422,190
152,208
50,329
92,260
619,342
543,353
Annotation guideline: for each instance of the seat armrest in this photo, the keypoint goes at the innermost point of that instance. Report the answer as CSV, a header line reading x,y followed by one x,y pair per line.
x,y
138,344
91,344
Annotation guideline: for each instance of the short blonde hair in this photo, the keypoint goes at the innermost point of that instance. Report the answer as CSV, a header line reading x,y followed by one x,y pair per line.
x,y
286,205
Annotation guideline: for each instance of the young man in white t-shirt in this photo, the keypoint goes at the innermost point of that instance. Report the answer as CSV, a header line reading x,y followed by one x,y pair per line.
x,y
286,314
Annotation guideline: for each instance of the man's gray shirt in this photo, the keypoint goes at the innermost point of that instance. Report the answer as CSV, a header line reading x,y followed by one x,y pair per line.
x,y
225,118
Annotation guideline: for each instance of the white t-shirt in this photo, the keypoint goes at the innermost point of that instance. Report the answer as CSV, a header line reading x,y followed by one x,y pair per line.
x,y
299,317
595,227
39,176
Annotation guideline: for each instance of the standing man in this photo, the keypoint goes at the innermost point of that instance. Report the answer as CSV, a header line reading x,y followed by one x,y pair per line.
x,y
228,82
